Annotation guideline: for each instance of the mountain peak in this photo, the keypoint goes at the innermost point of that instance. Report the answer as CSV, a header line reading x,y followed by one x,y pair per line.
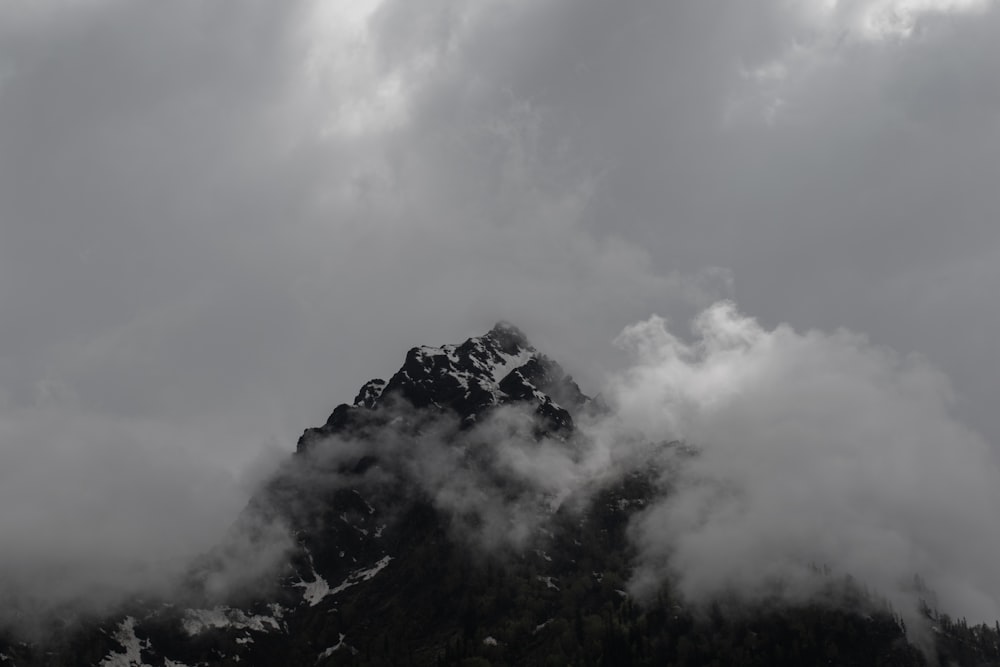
x,y
508,336
498,368
361,554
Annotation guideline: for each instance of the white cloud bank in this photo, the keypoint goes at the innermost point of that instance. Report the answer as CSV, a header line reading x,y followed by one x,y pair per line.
x,y
813,449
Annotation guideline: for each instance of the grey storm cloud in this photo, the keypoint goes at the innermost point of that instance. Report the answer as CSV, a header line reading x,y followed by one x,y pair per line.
x,y
218,219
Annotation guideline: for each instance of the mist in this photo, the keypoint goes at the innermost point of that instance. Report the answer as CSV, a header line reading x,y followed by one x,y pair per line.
x,y
496,483
813,449
785,458
218,220
98,510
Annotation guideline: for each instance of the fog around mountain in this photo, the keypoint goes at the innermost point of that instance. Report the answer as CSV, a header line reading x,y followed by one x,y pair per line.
x,y
218,221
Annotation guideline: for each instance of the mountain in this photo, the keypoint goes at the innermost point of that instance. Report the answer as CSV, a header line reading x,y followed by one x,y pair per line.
x,y
430,522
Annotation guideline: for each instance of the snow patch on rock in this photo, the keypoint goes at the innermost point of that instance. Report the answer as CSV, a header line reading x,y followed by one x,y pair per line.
x,y
359,576
132,647
315,590
197,621
336,647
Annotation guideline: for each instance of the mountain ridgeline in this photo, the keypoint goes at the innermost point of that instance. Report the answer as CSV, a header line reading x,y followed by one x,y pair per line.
x,y
433,522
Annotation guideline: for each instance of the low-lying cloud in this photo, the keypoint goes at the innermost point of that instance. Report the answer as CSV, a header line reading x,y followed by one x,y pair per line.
x,y
813,449
786,457
497,482
96,509
805,453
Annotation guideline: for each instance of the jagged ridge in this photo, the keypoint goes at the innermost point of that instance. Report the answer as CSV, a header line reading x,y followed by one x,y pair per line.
x,y
498,368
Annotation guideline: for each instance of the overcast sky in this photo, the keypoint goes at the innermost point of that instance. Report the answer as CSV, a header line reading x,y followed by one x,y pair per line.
x,y
218,219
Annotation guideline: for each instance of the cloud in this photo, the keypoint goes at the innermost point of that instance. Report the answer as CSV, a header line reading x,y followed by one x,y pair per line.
x,y
496,483
97,509
804,454
813,449
218,220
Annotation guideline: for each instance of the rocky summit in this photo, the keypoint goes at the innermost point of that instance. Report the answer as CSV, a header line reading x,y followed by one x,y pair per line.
x,y
498,368
425,523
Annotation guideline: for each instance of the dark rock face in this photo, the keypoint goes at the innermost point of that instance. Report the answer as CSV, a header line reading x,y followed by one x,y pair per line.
x,y
369,394
499,368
